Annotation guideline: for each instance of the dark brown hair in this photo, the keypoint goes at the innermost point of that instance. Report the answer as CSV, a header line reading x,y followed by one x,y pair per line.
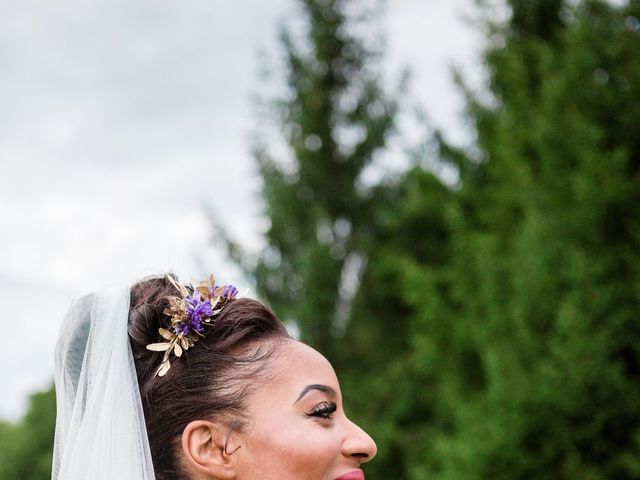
x,y
210,381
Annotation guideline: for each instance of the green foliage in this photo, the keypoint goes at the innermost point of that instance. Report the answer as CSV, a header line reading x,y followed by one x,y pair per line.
x,y
547,243
26,448
494,332
334,120
538,371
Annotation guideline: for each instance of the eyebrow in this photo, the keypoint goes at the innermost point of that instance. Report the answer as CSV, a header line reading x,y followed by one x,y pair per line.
x,y
316,386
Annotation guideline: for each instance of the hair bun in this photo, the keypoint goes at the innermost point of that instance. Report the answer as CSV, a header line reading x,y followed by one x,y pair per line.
x,y
148,301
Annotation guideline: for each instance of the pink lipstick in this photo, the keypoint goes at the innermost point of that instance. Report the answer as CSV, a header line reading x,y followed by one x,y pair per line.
x,y
352,475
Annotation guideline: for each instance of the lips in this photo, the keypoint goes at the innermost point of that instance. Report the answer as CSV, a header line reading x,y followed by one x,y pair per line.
x,y
352,475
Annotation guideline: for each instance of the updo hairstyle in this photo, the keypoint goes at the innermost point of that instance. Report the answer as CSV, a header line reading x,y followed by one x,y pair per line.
x,y
210,381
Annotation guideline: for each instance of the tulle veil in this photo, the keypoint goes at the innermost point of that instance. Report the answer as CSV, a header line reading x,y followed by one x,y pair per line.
x,y
100,428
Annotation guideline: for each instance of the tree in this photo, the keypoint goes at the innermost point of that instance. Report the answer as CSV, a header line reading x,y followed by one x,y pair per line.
x,y
335,119
539,368
26,447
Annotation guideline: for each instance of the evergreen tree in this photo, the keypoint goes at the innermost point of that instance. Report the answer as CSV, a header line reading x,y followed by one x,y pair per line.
x,y
335,119
531,332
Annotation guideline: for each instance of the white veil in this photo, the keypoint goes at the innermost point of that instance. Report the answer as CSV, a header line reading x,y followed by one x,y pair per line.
x,y
100,429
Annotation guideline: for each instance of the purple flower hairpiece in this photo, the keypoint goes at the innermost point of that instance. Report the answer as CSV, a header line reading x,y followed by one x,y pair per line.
x,y
195,307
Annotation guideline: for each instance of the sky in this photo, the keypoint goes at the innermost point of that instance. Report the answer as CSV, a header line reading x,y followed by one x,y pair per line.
x,y
123,123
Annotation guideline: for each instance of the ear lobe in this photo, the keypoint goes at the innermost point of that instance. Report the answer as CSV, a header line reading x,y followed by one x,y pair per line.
x,y
208,449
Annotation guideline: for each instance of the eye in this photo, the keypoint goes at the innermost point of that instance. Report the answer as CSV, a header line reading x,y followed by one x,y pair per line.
x,y
323,410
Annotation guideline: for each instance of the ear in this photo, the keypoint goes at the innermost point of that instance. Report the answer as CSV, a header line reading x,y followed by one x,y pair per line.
x,y
208,449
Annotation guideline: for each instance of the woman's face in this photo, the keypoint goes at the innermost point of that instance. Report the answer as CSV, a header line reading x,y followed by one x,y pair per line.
x,y
298,428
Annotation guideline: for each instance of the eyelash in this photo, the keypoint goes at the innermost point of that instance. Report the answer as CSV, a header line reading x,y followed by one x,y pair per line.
x,y
323,410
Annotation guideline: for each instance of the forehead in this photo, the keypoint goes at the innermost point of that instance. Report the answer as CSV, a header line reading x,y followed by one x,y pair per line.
x,y
298,365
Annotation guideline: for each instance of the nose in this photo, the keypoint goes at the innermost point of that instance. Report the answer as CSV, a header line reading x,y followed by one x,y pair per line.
x,y
358,445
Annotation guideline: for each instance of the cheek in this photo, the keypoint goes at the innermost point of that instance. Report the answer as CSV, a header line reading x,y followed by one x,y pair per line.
x,y
299,449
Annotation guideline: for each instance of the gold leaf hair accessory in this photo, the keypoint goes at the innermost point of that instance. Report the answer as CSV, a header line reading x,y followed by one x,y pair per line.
x,y
196,306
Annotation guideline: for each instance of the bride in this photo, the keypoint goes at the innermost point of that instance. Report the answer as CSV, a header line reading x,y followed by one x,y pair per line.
x,y
170,381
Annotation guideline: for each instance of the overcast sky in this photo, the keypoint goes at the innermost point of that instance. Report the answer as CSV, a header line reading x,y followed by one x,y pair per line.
x,y
121,119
